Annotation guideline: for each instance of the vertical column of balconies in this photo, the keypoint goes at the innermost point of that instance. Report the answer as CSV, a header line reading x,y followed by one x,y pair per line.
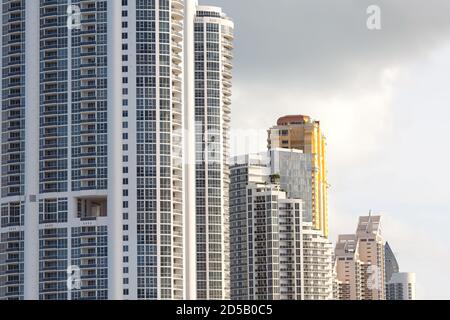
x,y
53,96
53,249
146,153
13,98
176,21
89,98
238,232
11,251
11,265
159,149
227,33
53,264
89,252
54,155
317,266
200,175
289,230
265,276
13,150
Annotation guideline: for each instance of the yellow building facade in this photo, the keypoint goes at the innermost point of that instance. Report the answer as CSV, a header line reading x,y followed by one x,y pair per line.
x,y
302,133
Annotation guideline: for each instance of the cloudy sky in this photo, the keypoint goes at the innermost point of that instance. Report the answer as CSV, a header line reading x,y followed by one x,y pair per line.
x,y
383,98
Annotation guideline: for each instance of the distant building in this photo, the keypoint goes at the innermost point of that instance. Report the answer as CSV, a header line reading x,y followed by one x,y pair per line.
x,y
275,253
359,260
348,268
317,265
302,133
402,286
391,264
371,253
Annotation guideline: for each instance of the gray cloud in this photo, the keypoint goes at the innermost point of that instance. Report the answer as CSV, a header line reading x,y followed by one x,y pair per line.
x,y
325,41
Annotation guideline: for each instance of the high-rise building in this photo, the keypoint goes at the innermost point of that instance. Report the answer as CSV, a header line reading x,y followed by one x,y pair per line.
x,y
303,133
371,254
213,64
360,260
399,285
317,270
402,286
99,103
348,268
391,264
275,253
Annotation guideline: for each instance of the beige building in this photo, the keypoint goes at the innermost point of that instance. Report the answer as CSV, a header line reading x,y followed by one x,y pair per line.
x,y
360,263
348,268
371,253
303,133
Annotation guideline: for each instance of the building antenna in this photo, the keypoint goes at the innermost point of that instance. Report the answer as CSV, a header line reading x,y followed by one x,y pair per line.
x,y
369,222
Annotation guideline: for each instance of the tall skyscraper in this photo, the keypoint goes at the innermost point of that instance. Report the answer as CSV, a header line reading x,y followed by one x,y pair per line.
x,y
98,193
371,253
275,253
303,133
391,264
213,65
401,286
360,262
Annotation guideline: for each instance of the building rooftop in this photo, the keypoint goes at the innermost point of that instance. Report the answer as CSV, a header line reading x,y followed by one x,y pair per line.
x,y
369,225
293,119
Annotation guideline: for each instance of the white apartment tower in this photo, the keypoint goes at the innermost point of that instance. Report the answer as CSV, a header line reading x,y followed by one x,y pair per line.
x,y
275,253
402,286
98,194
399,285
213,35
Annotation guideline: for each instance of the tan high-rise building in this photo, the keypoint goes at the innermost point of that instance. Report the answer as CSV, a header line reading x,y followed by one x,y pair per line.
x,y
371,253
360,262
303,133
348,268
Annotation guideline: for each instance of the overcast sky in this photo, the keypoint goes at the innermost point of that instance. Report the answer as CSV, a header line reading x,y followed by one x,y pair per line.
x,y
383,98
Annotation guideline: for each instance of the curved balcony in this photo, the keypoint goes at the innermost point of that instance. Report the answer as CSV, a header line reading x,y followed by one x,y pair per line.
x,y
227,74
178,4
227,63
177,26
227,44
177,14
177,80
228,54
176,58
176,69
227,92
176,47
177,37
